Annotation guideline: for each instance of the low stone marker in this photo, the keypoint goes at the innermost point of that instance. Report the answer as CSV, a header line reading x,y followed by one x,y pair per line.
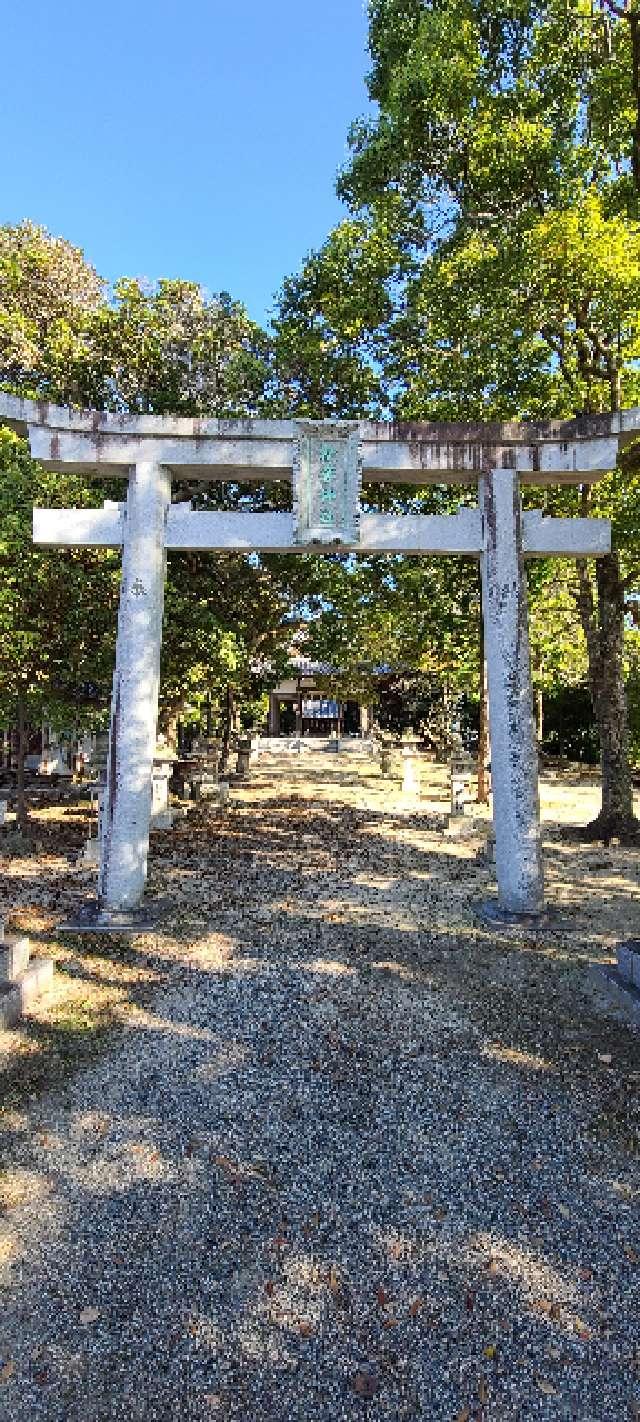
x,y
487,851
385,757
411,766
628,955
205,785
244,756
4,805
22,978
161,816
621,984
90,856
461,769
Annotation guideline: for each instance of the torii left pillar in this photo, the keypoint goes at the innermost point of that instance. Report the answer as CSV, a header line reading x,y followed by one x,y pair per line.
x,y
126,812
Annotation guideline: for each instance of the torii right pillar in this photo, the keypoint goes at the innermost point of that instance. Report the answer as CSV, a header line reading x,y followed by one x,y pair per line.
x,y
514,754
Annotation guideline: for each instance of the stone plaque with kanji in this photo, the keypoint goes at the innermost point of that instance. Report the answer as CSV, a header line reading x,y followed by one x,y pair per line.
x,y
327,476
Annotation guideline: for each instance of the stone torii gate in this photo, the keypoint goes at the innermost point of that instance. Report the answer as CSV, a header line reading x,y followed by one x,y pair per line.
x,y
326,461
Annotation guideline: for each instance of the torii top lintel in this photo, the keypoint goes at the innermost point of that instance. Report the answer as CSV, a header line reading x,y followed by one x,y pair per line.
x,y
95,442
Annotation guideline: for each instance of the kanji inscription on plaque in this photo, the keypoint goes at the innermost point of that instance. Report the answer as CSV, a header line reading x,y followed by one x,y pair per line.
x,y
327,476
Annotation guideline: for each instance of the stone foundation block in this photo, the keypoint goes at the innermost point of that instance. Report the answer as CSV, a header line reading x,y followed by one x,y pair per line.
x,y
625,961
15,997
14,957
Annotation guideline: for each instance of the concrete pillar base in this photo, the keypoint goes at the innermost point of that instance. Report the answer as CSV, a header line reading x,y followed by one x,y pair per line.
x,y
491,914
94,919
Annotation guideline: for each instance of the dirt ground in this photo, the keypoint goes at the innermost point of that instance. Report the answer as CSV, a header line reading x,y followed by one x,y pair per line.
x,y
353,899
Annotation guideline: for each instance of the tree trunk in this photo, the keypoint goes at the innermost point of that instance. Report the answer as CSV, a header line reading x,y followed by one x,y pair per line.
x,y
226,731
634,22
603,625
23,743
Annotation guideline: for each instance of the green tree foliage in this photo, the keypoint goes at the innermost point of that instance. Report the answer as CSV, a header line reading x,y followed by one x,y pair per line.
x,y
57,613
172,349
48,295
165,349
500,175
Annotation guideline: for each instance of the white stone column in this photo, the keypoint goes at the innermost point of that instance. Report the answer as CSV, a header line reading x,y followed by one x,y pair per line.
x,y
514,755
134,705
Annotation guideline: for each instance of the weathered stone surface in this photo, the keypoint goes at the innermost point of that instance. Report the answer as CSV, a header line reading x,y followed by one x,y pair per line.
x,y
16,996
625,962
14,957
412,534
411,773
571,451
514,758
134,707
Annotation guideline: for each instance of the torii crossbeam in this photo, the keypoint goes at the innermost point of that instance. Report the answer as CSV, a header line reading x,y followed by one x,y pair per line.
x,y
326,461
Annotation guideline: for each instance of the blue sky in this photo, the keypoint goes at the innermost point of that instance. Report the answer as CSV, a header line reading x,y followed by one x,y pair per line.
x,y
198,139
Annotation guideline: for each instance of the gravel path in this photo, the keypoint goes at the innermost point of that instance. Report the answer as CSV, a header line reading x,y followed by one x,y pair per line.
x,y
353,1162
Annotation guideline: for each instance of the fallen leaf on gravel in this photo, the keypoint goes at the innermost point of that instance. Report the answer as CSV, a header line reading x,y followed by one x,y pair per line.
x,y
306,1329
546,1306
630,1254
490,1351
7,1370
415,1307
223,1163
585,1274
366,1384
483,1391
469,1300
382,1297
464,1415
89,1315
268,1288
334,1281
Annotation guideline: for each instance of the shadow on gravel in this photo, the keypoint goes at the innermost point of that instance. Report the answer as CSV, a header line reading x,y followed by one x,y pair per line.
x,y
366,1163
262,1210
